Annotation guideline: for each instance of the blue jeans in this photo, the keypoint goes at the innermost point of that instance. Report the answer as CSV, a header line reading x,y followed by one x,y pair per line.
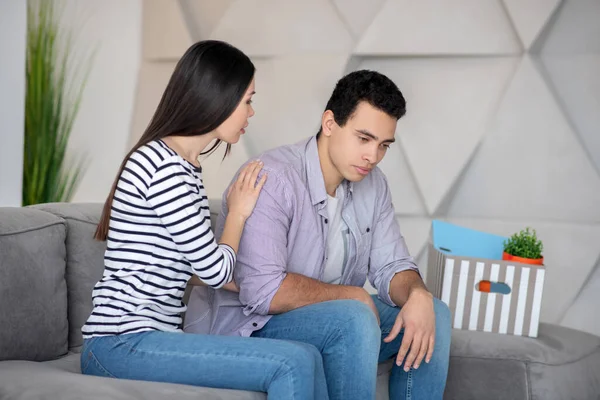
x,y
351,342
283,369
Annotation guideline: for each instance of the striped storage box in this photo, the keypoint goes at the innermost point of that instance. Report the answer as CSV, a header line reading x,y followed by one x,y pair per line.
x,y
510,299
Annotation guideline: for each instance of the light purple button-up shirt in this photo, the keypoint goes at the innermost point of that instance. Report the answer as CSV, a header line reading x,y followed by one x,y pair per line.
x,y
287,232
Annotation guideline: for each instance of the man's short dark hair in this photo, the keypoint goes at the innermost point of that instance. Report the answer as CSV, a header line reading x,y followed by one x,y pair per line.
x,y
373,87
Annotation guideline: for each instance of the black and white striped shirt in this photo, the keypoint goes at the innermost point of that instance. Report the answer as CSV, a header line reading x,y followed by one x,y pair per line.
x,y
159,237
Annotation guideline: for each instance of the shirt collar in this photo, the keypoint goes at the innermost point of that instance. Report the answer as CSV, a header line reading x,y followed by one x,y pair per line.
x,y
316,182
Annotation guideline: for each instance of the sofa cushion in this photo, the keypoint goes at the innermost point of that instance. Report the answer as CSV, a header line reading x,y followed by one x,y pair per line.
x,y
85,261
25,380
560,363
33,291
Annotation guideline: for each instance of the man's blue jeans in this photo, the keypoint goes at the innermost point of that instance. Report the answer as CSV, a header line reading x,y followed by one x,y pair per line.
x,y
285,370
351,342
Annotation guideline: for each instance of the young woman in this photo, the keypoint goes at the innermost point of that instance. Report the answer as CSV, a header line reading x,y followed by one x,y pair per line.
x,y
157,225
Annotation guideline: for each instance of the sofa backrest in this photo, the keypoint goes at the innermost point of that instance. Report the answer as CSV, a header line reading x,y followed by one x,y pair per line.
x,y
84,261
49,264
33,289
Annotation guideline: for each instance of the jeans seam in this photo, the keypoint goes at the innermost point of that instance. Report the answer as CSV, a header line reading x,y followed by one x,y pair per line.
x,y
282,361
343,339
409,385
99,365
166,354
291,378
86,363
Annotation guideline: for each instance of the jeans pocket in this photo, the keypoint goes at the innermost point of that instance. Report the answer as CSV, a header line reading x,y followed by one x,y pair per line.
x,y
90,365
94,367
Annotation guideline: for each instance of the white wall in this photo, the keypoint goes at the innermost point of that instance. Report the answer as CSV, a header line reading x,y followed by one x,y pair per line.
x,y
492,115
502,126
13,26
111,28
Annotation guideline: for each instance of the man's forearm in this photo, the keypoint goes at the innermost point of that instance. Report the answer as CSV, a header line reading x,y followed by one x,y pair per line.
x,y
299,290
403,284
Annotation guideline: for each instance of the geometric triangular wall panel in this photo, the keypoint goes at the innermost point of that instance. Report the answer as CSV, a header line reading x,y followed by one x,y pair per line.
x,y
276,27
576,29
155,76
530,16
531,164
450,103
358,14
406,197
576,83
172,39
583,313
291,94
432,27
203,16
416,233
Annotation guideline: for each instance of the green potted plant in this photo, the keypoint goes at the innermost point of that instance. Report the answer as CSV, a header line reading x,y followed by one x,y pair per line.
x,y
524,247
53,95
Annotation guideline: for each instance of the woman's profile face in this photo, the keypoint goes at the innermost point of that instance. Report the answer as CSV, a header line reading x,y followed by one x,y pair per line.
x,y
233,127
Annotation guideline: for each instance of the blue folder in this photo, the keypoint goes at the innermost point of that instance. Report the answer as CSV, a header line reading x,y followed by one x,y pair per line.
x,y
460,241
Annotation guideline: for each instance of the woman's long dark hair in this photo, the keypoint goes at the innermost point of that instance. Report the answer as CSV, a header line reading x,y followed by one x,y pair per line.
x,y
207,85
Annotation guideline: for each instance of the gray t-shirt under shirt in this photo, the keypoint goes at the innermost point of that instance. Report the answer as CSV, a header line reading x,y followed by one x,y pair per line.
x,y
337,239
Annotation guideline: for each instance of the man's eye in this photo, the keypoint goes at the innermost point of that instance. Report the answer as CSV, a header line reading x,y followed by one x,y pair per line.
x,y
363,139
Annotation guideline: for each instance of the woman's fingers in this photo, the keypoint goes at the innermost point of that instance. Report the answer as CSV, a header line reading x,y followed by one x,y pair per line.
x,y
254,175
261,182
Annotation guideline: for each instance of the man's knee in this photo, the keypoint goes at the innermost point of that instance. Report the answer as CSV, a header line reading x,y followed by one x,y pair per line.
x,y
358,319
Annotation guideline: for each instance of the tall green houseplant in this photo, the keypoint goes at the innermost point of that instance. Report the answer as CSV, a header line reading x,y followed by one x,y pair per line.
x,y
52,100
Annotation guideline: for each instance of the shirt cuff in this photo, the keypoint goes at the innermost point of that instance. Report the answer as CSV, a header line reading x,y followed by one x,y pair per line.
x,y
262,305
384,290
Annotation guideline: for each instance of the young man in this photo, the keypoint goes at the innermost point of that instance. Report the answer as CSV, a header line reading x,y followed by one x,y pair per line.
x,y
323,223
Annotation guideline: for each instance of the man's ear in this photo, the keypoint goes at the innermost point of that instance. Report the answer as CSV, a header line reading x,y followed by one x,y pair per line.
x,y
327,122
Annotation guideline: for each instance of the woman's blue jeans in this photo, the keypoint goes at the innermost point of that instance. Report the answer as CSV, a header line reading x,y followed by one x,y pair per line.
x,y
286,370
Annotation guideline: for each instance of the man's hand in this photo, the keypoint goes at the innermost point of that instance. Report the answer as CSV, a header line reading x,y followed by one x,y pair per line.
x,y
417,317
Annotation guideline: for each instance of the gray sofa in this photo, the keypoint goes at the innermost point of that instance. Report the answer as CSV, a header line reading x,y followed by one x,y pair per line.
x,y
49,264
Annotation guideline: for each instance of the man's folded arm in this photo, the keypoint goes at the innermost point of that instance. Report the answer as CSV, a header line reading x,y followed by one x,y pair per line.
x,y
299,290
389,254
261,272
